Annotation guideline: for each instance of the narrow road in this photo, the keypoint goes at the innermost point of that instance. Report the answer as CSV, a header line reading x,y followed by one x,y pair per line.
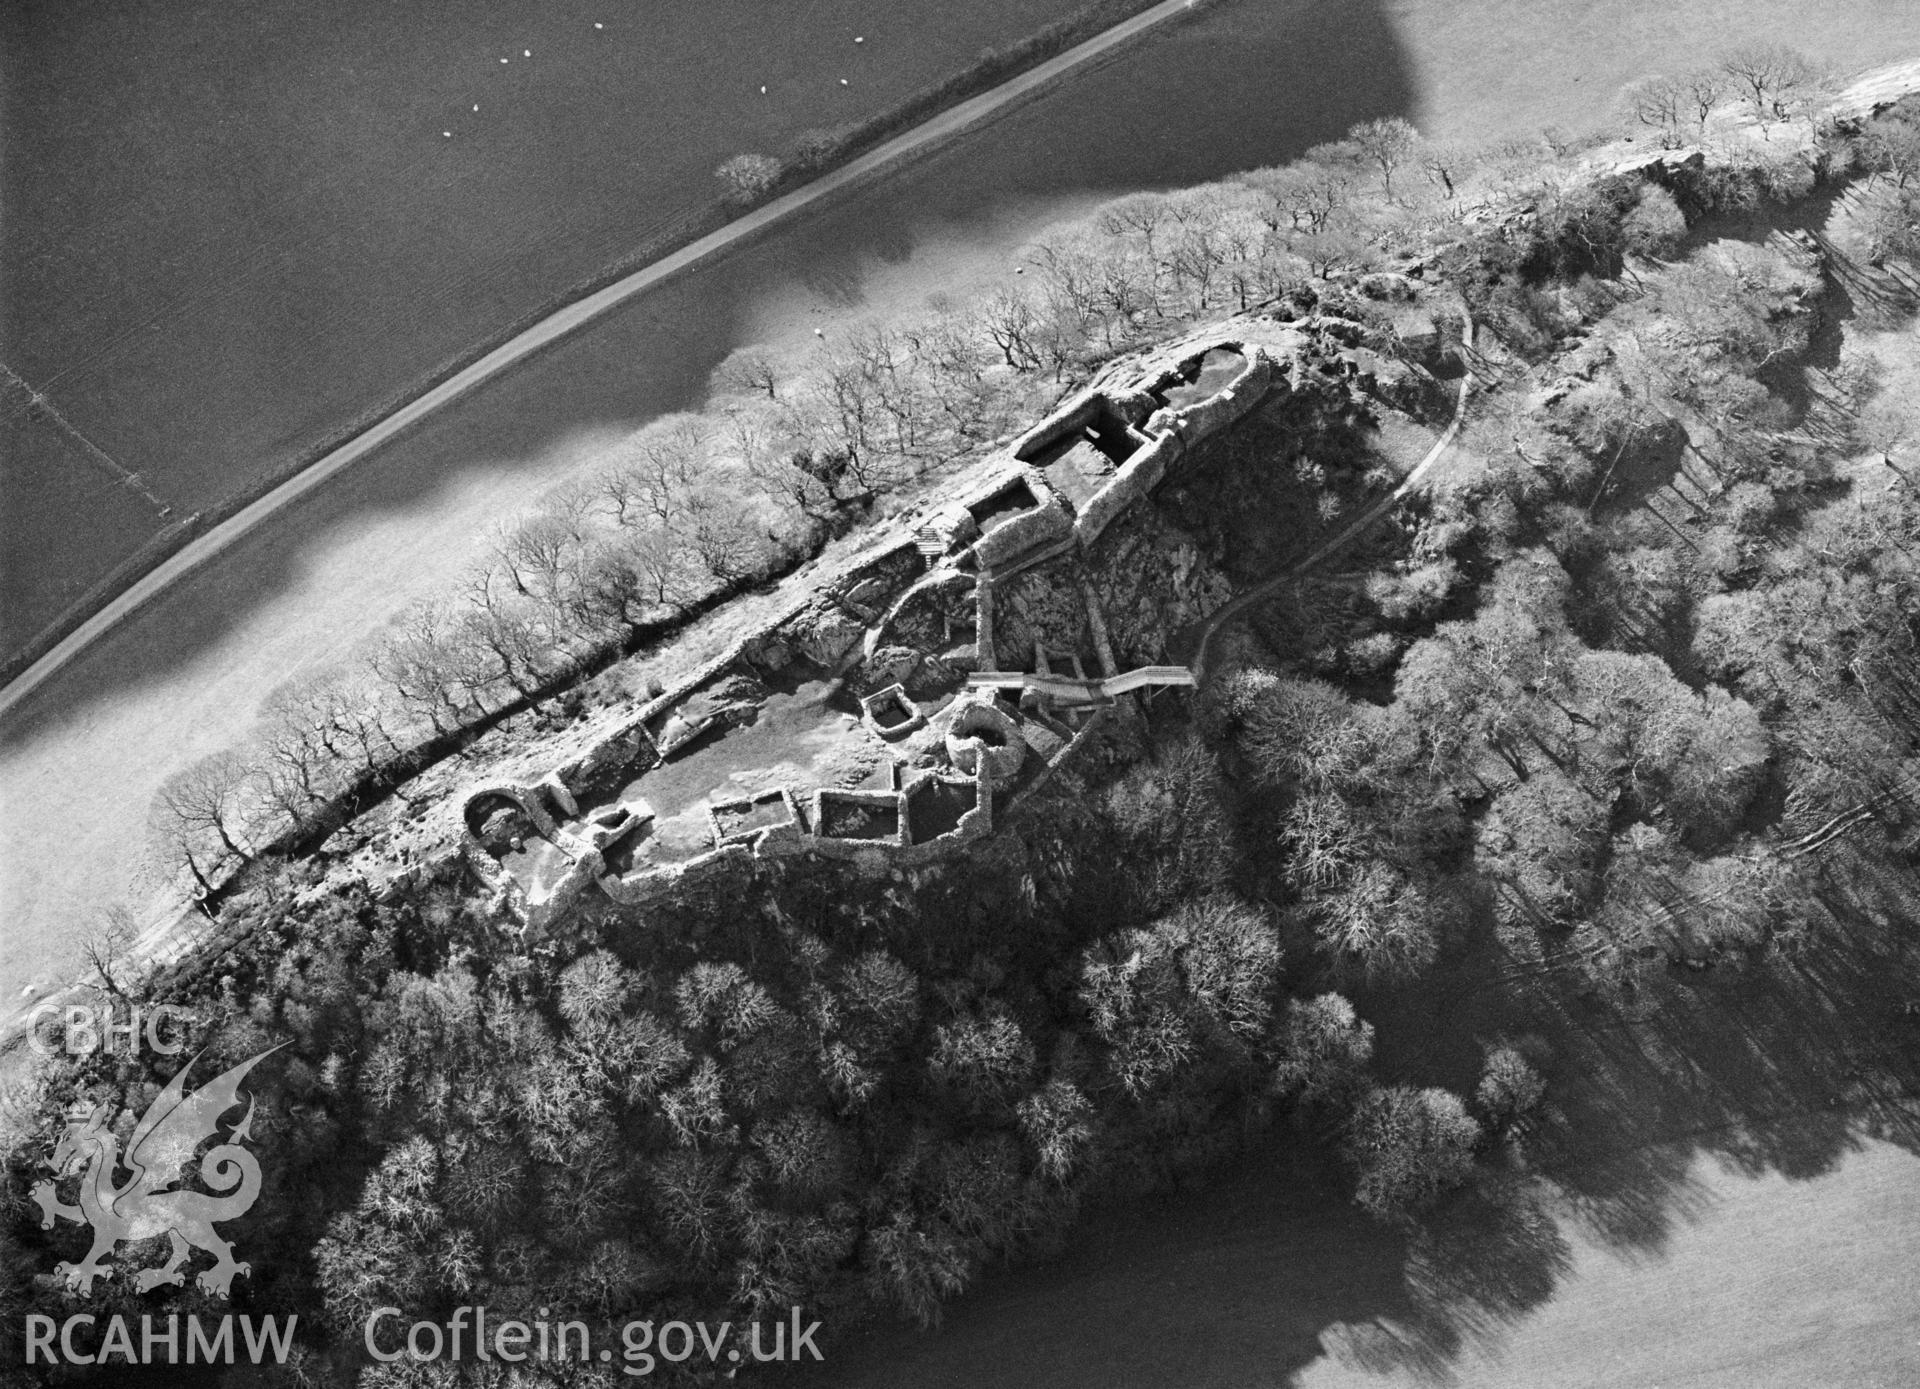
x,y
563,321
1360,524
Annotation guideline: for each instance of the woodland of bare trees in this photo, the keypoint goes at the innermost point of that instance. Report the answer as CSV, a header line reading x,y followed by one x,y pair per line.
x,y
1766,82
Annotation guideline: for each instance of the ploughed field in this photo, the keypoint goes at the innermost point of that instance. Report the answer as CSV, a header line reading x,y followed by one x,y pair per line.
x,y
235,227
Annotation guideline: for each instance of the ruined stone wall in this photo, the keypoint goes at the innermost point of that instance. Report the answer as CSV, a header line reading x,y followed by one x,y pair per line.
x,y
836,846
507,900
532,801
924,603
588,869
1076,414
1012,538
984,601
1207,417
1138,476
637,889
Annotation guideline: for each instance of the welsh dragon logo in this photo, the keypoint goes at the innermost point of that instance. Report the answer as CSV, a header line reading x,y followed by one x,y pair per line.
x,y
150,1201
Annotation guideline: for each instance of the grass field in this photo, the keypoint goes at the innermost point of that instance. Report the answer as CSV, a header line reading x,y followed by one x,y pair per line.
x,y
235,225
1494,67
1272,1279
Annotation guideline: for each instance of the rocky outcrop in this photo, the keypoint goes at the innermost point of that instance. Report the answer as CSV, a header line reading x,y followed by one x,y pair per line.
x,y
1036,610
825,633
1152,580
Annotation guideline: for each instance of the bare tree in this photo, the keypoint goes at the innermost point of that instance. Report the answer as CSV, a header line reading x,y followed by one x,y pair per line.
x,y
1200,245
1141,216
1126,295
859,396
108,951
1010,323
1892,147
538,557
1061,336
1890,223
883,357
1386,144
770,463
572,505
746,429
660,560
1241,241
654,469
747,371
611,593
1446,163
1339,244
300,765
1774,78
723,535
504,645
198,818
1274,268
1302,195
1273,195
344,715
621,488
1409,1147
426,664
1704,87
952,362
1661,104
1071,275
1333,168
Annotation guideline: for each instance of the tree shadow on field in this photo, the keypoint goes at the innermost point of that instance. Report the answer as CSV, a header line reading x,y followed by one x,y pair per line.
x,y
1782,1063
1229,1285
1471,1270
1776,1064
1243,84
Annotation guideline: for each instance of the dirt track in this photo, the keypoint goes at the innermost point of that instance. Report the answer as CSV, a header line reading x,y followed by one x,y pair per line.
x,y
1417,478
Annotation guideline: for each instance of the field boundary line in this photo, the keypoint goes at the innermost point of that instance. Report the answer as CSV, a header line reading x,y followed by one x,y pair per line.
x,y
886,158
